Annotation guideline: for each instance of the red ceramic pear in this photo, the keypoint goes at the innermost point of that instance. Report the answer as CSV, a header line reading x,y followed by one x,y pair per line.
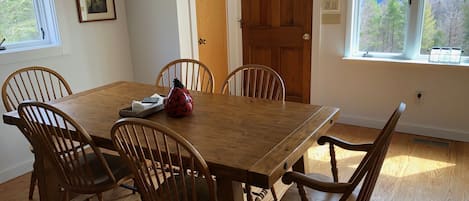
x,y
179,102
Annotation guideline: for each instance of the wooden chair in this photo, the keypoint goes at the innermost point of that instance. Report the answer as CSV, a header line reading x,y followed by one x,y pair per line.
x,y
193,74
165,164
33,83
80,169
367,171
255,81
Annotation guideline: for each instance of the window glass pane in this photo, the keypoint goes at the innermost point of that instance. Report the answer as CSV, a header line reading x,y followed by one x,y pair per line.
x,y
18,21
446,23
383,25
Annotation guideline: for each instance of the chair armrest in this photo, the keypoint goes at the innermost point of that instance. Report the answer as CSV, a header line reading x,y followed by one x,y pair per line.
x,y
304,180
344,144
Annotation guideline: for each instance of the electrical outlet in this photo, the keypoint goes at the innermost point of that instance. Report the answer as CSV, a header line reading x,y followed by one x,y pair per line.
x,y
419,96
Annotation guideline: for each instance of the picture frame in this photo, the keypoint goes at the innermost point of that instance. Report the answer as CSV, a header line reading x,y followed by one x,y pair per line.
x,y
96,10
331,6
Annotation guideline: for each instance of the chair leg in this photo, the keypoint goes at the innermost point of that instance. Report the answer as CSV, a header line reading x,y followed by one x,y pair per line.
x,y
274,194
32,184
100,196
135,188
65,195
248,192
302,192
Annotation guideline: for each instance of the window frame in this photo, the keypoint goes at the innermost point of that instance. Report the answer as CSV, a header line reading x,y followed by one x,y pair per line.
x,y
412,39
46,19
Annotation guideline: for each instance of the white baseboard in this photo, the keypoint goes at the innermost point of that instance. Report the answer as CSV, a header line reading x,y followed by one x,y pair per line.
x,y
417,129
16,170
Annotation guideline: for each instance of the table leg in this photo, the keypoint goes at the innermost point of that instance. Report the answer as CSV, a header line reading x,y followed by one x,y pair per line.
x,y
228,190
48,181
299,166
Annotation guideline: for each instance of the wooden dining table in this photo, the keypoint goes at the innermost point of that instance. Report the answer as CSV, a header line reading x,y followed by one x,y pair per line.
x,y
243,140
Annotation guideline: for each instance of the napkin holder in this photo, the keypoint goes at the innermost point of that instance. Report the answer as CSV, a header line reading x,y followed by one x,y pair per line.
x,y
127,112
141,109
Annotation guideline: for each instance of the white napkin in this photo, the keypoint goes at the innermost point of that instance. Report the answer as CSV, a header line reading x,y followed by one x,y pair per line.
x,y
158,96
138,106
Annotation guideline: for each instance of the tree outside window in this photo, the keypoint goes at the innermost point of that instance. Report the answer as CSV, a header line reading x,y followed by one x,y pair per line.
x,y
384,25
28,24
18,21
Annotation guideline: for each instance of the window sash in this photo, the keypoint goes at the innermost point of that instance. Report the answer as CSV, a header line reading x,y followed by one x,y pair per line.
x,y
412,41
44,10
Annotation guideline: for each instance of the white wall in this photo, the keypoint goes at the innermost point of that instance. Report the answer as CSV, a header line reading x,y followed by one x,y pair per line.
x,y
95,53
154,37
368,91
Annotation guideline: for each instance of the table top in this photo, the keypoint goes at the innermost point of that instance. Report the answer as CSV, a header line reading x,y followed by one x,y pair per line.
x,y
248,140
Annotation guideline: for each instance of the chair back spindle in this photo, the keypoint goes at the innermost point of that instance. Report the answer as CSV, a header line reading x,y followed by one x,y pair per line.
x,y
255,81
57,135
370,166
33,83
38,83
166,165
193,74
365,174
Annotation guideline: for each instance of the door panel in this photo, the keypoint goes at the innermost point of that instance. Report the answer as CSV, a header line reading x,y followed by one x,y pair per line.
x,y
263,55
273,36
211,26
291,57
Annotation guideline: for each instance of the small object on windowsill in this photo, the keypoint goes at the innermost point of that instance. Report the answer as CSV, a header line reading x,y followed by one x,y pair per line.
x,y
367,54
449,55
2,48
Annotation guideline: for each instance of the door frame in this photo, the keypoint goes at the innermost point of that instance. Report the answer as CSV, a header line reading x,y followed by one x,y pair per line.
x,y
187,29
188,38
188,35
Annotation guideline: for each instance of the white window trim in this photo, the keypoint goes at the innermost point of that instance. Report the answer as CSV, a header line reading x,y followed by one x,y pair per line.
x,y
411,52
47,20
61,48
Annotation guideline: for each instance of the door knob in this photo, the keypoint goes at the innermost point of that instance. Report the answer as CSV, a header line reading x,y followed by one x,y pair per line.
x,y
202,41
306,36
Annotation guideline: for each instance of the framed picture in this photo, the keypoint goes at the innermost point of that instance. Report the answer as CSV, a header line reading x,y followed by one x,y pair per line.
x,y
96,10
331,6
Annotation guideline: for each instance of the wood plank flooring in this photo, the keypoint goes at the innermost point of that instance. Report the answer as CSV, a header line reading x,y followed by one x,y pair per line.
x,y
416,168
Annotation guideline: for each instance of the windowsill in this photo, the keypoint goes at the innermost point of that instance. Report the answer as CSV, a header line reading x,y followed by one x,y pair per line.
x,y
9,56
405,61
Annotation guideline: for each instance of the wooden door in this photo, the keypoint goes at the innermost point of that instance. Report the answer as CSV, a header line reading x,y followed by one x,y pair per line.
x,y
211,29
277,33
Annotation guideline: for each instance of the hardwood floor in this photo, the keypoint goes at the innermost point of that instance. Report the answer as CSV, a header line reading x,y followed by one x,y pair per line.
x,y
416,168
18,189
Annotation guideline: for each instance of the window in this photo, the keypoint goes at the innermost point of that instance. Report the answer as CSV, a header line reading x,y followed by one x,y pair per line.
x,y
26,24
407,29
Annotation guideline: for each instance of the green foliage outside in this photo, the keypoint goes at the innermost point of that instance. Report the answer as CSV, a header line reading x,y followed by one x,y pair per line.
x,y
370,26
430,36
393,26
17,21
383,25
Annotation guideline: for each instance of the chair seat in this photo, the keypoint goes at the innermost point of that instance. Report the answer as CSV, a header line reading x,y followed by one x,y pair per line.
x,y
201,187
118,168
160,176
313,195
